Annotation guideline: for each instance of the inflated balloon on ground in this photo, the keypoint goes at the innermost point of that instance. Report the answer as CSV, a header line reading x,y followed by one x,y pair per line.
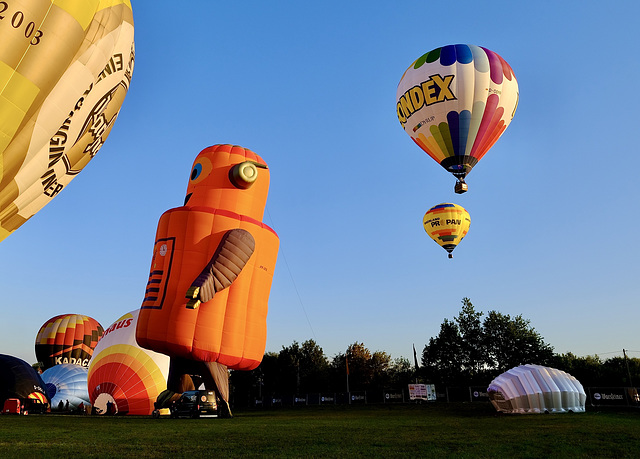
x,y
536,389
67,383
19,380
122,375
67,338
206,299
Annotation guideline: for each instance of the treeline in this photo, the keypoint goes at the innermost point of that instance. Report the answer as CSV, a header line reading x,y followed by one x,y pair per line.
x,y
474,348
304,369
469,350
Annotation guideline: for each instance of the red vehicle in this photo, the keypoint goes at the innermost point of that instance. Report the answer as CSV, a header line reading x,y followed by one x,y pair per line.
x,y
11,406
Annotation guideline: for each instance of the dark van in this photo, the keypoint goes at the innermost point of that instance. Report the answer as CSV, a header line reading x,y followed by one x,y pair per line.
x,y
196,404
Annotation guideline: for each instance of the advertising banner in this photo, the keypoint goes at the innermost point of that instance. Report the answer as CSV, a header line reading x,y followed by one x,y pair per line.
x,y
422,392
608,396
479,394
393,397
327,399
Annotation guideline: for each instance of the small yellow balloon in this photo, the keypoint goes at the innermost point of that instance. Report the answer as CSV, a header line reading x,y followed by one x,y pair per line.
x,y
447,224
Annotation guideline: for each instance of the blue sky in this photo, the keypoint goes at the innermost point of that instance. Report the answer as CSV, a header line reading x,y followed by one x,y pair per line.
x,y
311,88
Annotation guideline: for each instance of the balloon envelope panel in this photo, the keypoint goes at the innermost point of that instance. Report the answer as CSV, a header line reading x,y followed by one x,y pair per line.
x,y
65,68
67,382
67,338
536,389
123,373
455,102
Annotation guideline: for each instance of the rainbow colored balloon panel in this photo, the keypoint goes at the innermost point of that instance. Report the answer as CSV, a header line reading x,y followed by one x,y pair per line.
x,y
455,102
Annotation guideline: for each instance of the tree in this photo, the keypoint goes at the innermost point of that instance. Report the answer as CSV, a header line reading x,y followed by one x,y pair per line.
x,y
303,368
592,371
401,373
269,375
314,368
366,371
441,357
473,356
618,371
587,370
468,350
289,360
360,369
247,386
38,366
380,363
509,342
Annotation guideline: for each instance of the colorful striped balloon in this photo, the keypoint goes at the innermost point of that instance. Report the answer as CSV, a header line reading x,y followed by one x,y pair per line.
x,y
447,224
67,338
455,102
38,397
124,375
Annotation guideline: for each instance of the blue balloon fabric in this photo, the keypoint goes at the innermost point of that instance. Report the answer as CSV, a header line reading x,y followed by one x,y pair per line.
x,y
67,382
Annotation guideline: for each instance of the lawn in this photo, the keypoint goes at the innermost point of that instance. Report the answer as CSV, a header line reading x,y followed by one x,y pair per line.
x,y
429,430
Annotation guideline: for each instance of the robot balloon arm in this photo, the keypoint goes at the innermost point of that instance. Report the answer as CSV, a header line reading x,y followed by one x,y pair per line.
x,y
232,254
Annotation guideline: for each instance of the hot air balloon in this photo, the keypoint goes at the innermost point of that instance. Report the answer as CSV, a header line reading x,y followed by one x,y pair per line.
x,y
455,102
65,68
447,224
19,380
67,382
536,389
67,338
123,377
211,272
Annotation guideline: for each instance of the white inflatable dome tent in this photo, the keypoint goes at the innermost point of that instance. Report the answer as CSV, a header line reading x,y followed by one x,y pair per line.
x,y
536,389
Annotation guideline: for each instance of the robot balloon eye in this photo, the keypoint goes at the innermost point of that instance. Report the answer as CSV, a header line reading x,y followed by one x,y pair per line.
x,y
243,175
197,170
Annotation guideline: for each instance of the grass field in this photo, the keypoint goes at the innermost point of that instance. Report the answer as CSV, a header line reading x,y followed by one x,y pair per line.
x,y
430,430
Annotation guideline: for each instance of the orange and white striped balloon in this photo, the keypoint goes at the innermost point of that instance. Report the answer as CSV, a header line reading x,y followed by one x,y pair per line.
x,y
123,376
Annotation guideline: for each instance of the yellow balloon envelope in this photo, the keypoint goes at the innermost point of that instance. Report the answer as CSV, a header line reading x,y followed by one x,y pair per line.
x,y
65,68
447,224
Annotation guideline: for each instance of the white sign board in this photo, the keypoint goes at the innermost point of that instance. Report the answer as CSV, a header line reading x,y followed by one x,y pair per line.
x,y
422,392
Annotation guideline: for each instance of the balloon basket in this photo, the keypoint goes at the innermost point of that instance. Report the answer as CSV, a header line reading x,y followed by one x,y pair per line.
x,y
461,187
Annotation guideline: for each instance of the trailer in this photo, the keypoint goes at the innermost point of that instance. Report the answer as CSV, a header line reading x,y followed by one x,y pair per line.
x,y
12,406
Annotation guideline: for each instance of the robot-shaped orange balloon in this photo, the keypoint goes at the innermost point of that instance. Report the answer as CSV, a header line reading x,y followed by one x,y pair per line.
x,y
212,267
